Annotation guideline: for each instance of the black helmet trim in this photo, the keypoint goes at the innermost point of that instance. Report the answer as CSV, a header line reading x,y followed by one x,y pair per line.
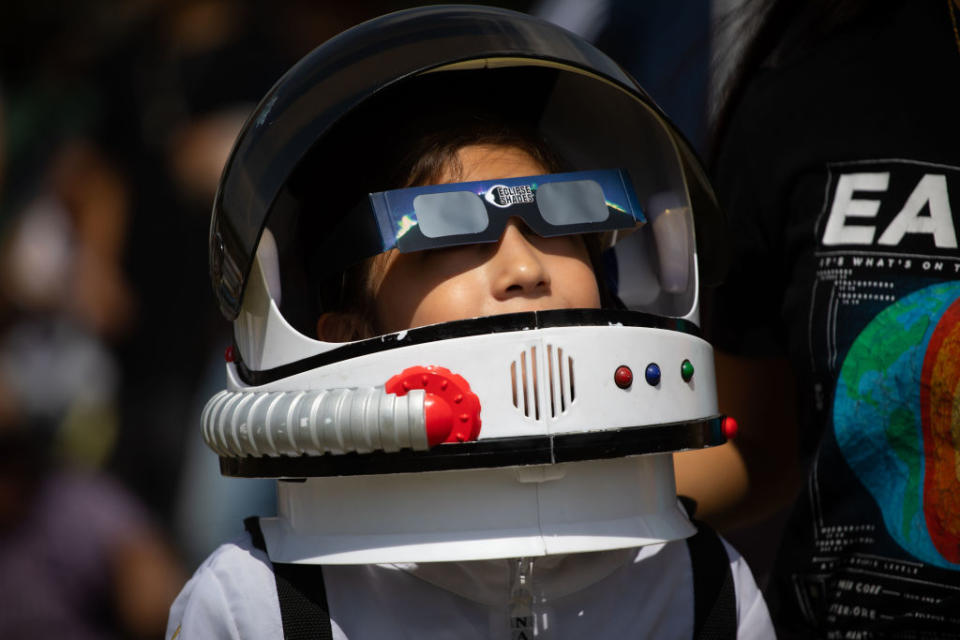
x,y
348,70
523,321
485,454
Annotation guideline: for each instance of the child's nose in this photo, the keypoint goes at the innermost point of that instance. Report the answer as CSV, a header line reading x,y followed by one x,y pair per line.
x,y
518,269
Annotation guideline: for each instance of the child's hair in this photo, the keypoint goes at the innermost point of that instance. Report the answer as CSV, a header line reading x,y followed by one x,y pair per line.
x,y
436,152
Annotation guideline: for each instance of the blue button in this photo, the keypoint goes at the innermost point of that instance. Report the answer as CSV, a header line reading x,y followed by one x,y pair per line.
x,y
653,374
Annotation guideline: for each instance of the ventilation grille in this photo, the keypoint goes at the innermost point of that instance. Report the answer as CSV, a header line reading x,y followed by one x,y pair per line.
x,y
524,376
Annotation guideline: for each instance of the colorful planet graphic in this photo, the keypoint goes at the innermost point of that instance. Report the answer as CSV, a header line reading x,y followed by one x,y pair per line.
x,y
896,417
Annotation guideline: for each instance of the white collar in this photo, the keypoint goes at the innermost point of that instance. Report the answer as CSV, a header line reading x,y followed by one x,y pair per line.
x,y
488,581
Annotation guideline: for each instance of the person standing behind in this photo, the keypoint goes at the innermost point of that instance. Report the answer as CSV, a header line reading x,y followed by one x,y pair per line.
x,y
838,163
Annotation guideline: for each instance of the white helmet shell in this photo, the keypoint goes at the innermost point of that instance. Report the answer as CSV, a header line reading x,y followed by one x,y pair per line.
x,y
518,435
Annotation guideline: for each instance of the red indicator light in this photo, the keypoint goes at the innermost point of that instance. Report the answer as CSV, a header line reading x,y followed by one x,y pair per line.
x,y
623,377
730,428
228,354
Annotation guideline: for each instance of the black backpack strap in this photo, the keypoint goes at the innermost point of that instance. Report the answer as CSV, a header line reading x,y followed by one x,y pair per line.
x,y
303,598
714,595
252,525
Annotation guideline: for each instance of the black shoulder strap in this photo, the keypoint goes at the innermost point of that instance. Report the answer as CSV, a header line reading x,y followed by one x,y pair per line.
x,y
714,595
303,598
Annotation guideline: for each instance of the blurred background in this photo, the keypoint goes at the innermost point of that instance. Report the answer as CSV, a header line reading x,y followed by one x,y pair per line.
x,y
116,117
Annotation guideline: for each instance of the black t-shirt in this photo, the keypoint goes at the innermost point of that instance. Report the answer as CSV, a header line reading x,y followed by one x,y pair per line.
x,y
840,175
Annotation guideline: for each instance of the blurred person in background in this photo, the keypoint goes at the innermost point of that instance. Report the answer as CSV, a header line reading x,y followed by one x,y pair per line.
x,y
838,163
81,558
179,96
65,296
120,117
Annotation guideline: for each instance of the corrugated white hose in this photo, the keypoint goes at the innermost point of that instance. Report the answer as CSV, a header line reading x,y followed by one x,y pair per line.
x,y
292,423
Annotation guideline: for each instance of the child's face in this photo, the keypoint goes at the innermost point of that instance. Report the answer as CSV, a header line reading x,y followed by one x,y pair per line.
x,y
520,272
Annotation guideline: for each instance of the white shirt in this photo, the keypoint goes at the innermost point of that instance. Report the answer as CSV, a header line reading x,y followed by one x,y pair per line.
x,y
629,593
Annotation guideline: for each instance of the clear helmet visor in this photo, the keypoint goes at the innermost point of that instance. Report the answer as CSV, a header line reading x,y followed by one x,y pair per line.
x,y
322,220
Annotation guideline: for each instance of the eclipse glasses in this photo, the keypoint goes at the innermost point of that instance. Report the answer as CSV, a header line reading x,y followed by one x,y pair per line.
x,y
444,215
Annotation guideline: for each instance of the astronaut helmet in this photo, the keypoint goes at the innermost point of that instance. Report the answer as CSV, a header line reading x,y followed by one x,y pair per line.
x,y
517,434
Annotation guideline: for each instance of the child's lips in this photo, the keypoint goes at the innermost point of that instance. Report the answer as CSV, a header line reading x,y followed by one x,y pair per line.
x,y
536,304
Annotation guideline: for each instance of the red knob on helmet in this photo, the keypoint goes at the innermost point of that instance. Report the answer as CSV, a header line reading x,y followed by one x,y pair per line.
x,y
452,411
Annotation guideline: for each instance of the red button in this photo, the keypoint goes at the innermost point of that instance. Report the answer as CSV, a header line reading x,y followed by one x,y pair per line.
x,y
623,376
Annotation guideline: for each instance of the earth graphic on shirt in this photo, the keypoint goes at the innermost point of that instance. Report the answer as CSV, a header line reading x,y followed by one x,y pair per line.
x,y
896,417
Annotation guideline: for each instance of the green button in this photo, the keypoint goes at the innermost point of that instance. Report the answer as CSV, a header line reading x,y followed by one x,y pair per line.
x,y
686,370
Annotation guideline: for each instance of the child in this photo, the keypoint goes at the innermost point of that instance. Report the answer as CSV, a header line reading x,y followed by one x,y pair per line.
x,y
450,463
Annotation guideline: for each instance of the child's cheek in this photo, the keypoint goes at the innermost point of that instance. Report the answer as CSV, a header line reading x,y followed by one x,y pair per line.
x,y
453,298
421,289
